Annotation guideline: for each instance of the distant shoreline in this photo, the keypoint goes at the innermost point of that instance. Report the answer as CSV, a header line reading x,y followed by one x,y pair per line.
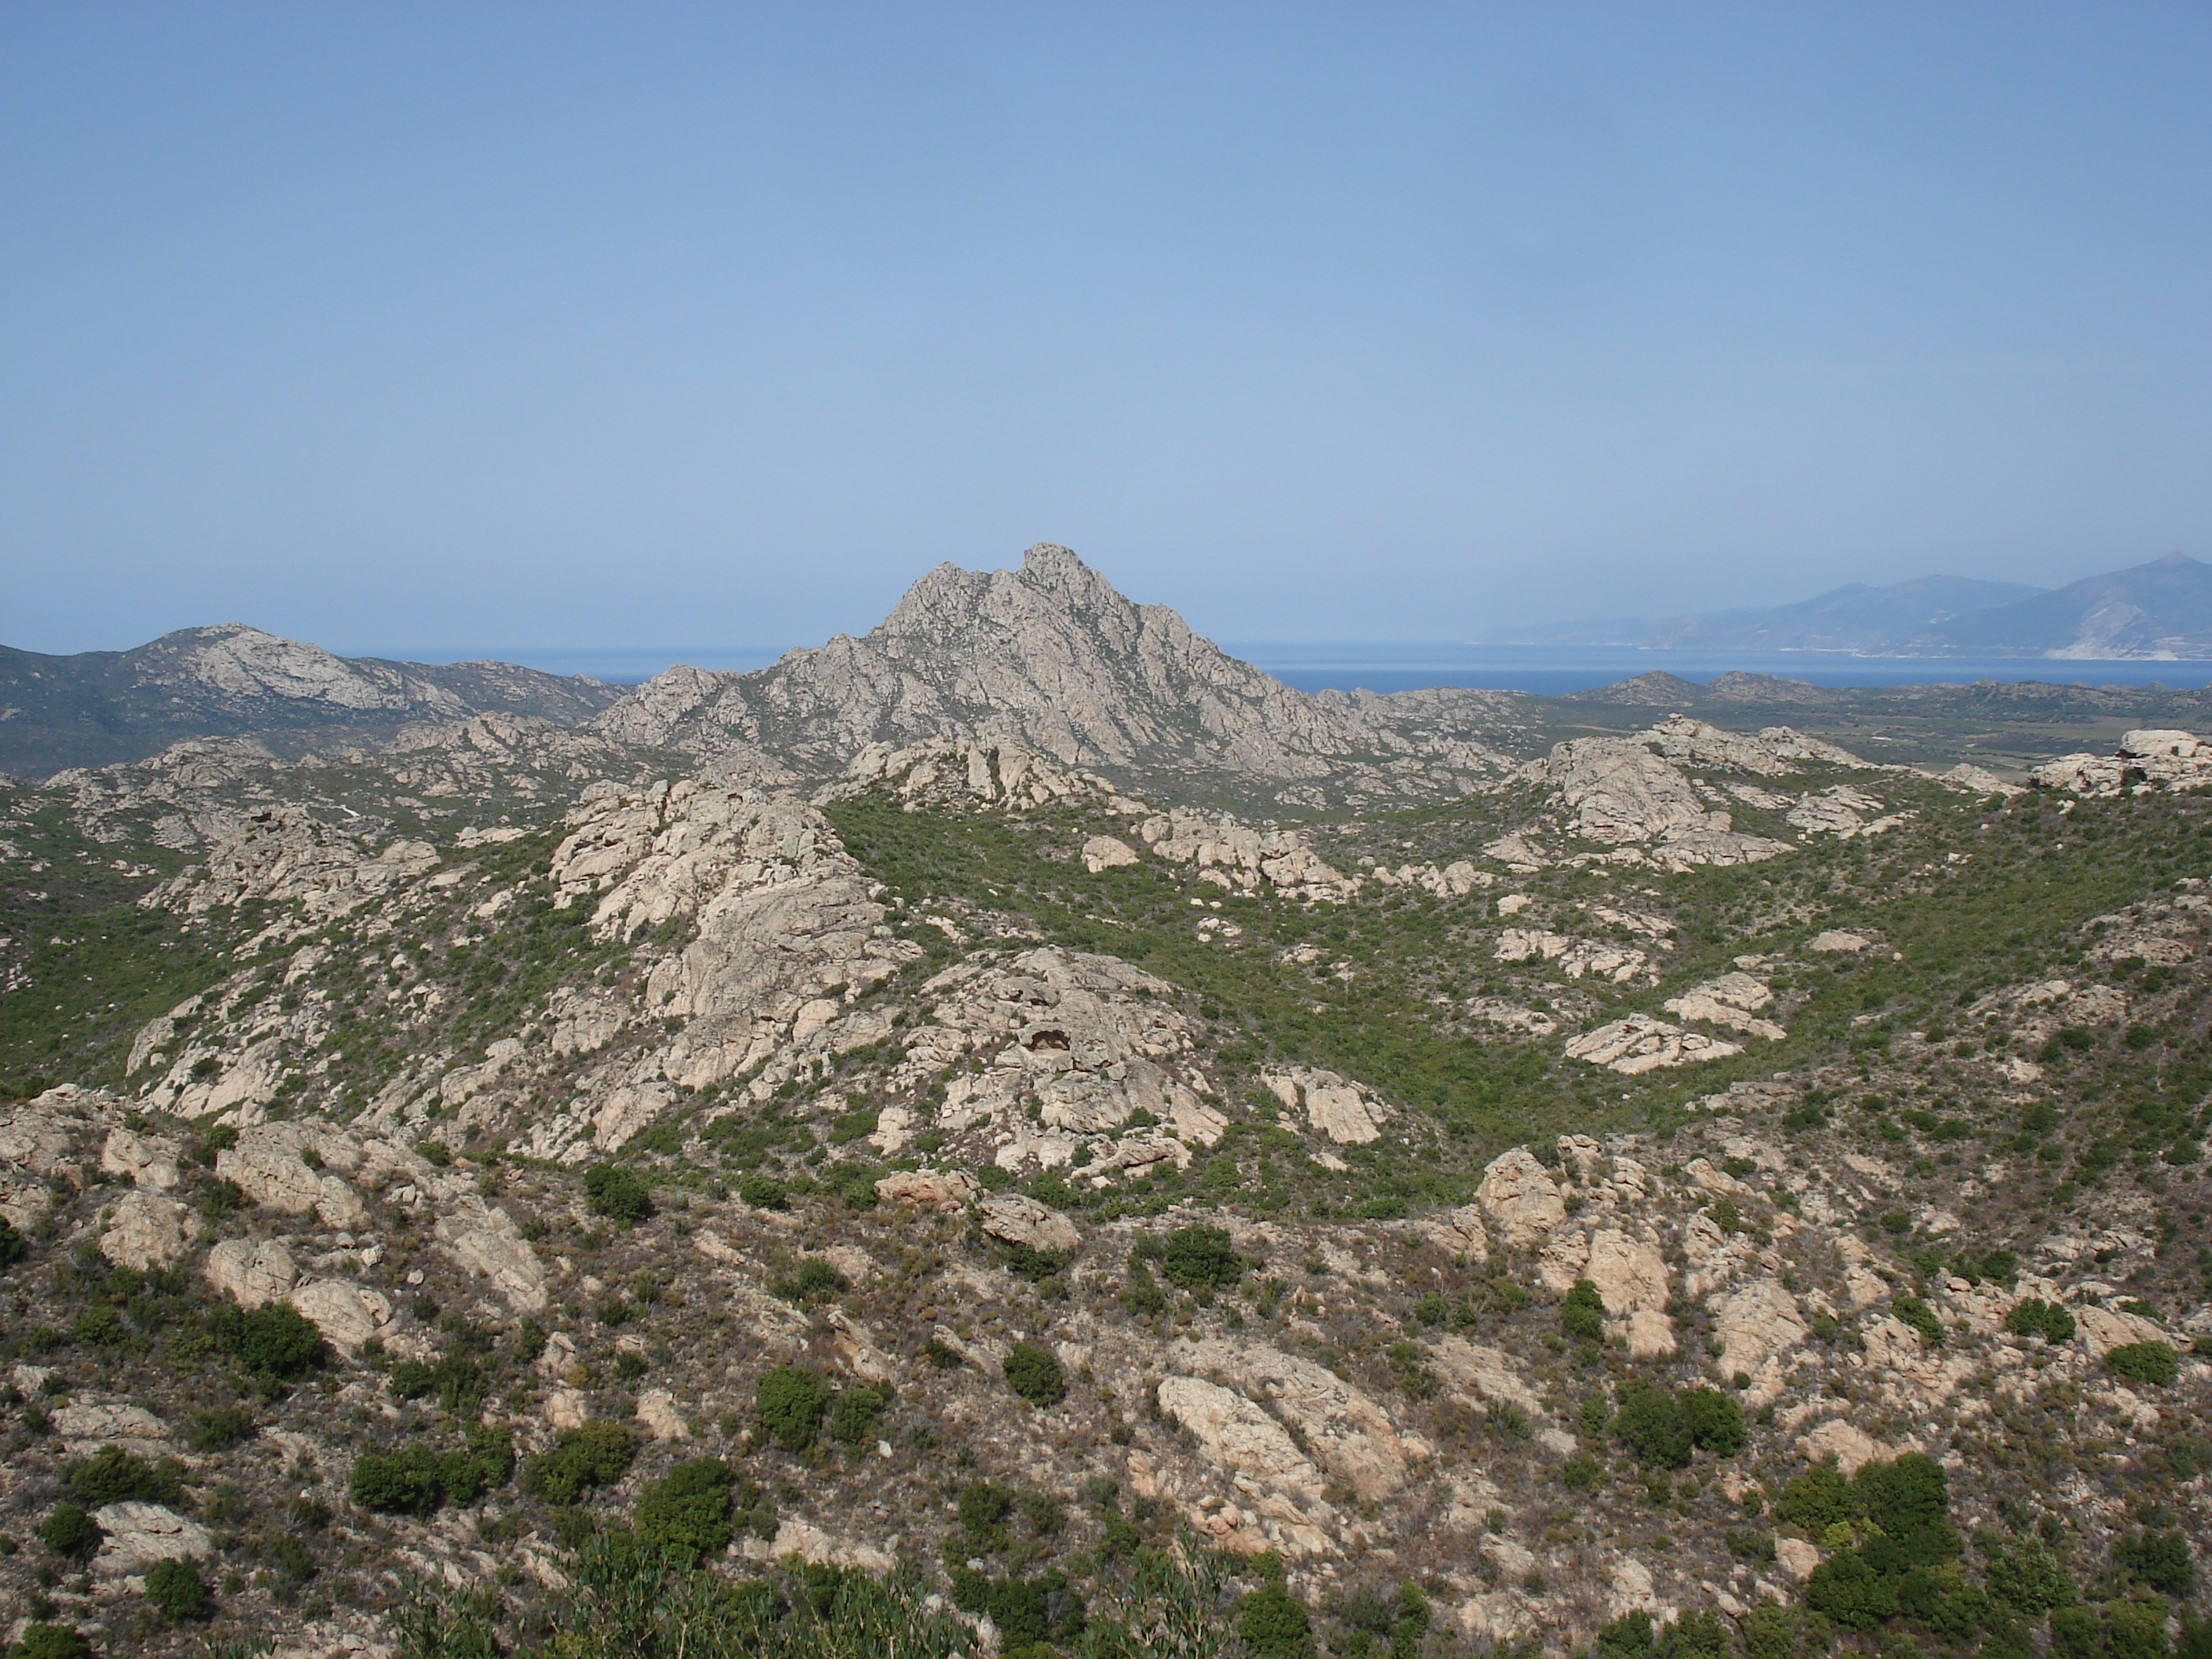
x,y
1550,671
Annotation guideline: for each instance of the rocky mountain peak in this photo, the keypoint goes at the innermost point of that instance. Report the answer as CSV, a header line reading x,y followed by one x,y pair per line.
x,y
1052,659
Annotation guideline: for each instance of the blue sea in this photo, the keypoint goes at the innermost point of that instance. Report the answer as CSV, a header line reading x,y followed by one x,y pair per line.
x,y
1551,670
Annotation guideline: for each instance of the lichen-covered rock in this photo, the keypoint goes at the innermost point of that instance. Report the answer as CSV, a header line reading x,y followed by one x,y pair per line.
x,y
148,1230
1520,1197
347,1314
251,1272
1638,1043
946,1190
270,1166
1234,1434
141,1160
1347,1433
1020,1220
1335,1106
142,1535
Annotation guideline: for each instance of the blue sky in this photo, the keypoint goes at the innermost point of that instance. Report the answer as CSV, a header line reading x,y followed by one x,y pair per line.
x,y
455,326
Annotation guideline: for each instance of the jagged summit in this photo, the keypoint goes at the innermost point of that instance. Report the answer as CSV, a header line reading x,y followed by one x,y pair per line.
x,y
1051,658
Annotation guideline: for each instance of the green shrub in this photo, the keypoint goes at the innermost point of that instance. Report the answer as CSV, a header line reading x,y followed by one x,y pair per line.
x,y
1699,1635
408,1379
688,1511
791,1400
2076,1632
2152,1363
2036,1317
1913,1311
1715,1421
595,1454
407,1482
817,1276
982,1510
1027,1611
618,1193
1199,1257
1033,1373
1650,1423
1816,1500
1582,1315
14,1247
1272,1623
1770,1632
1907,1498
763,1192
2160,1559
71,1531
1628,1637
2029,1580
50,1642
2134,1630
214,1427
1581,1473
1847,1588
276,1343
101,1328
178,1591
113,1475
856,1414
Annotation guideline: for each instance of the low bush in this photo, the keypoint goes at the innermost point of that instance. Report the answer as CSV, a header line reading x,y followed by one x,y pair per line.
x,y
2152,1363
618,1193
113,1475
2160,1559
1582,1315
1199,1257
792,1400
71,1531
1272,1623
595,1454
50,1642
276,1343
1910,1311
2036,1317
1033,1373
214,1427
688,1511
177,1592
417,1480
857,1413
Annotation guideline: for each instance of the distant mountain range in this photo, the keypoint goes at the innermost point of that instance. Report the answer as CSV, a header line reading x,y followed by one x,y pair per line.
x,y
96,707
2158,610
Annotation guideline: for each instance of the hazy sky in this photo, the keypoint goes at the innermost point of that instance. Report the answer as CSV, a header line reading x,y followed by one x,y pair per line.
x,y
454,325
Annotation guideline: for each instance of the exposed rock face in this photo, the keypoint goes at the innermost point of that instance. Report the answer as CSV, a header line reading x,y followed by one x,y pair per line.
x,y
144,1162
1732,1001
251,1272
1049,660
2147,761
147,1230
1349,1434
281,853
1093,1039
1640,1043
269,1165
1334,1105
783,915
1575,957
1630,1273
1105,853
1520,1197
348,1315
1234,1434
2103,1329
1020,1220
100,707
1758,1326
142,1535
947,1190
